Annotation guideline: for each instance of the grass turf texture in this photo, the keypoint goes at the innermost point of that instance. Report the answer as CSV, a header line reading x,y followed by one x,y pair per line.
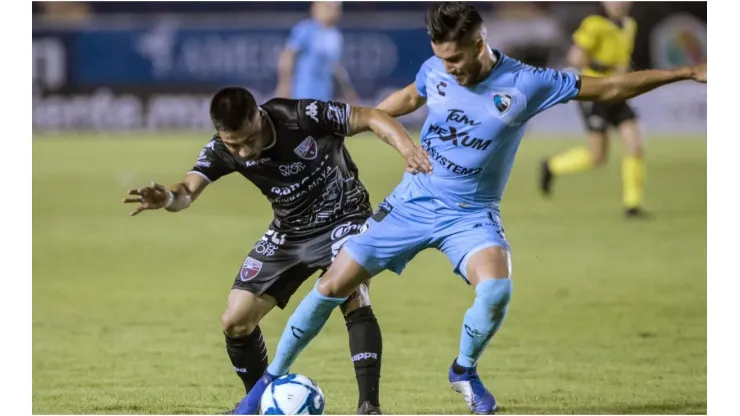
x,y
608,315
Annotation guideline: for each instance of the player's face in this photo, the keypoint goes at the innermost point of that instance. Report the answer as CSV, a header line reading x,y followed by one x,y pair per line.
x,y
247,142
462,60
617,8
328,12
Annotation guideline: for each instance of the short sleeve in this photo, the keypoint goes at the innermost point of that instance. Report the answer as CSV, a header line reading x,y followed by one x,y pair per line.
x,y
324,117
421,80
299,37
586,36
547,87
211,163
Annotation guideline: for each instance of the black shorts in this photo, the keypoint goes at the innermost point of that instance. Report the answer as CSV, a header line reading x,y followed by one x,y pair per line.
x,y
280,262
599,116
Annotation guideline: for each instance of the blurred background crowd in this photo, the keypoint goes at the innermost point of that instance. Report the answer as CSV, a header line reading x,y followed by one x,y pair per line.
x,y
152,65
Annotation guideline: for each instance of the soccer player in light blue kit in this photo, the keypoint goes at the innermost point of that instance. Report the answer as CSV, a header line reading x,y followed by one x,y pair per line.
x,y
479,103
311,60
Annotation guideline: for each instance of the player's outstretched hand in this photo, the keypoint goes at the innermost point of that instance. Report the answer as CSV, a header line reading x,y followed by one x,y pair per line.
x,y
417,160
699,73
155,196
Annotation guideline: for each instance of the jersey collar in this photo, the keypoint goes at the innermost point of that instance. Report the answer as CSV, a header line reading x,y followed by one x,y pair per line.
x,y
272,126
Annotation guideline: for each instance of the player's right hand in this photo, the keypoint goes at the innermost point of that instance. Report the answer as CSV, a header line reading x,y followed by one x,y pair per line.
x,y
417,160
155,196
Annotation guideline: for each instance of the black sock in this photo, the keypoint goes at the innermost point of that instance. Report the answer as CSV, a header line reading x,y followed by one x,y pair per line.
x,y
366,347
249,356
457,368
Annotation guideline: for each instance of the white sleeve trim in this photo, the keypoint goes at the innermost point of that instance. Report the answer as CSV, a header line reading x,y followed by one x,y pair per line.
x,y
346,124
201,174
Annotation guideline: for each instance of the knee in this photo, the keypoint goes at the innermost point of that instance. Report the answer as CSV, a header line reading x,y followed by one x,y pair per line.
x,y
237,326
494,294
333,287
636,151
598,159
360,299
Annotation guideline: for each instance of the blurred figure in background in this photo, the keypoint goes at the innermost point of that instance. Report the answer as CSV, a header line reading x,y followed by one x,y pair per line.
x,y
602,46
68,11
312,56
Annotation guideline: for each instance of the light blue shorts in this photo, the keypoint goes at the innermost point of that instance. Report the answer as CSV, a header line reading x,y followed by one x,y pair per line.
x,y
396,233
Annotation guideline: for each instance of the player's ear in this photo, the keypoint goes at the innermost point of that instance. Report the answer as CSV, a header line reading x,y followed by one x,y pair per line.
x,y
481,46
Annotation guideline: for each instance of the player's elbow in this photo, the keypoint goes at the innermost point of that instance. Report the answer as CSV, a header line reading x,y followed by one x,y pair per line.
x,y
363,119
612,89
402,102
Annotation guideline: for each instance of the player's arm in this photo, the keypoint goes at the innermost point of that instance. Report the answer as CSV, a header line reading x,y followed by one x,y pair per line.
x,y
622,87
391,132
585,41
577,57
210,166
403,101
345,83
175,198
298,41
285,72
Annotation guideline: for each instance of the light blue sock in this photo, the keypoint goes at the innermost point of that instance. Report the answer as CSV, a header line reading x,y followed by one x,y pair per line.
x,y
302,327
483,319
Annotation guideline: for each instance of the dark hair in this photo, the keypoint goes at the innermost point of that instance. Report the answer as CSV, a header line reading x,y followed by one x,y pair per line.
x,y
452,22
231,107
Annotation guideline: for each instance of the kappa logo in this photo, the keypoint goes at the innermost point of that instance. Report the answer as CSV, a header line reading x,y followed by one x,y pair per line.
x,y
250,269
502,102
308,149
312,110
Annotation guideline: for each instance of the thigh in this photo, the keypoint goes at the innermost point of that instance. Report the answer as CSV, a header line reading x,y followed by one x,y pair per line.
x,y
620,113
275,267
320,250
392,238
466,235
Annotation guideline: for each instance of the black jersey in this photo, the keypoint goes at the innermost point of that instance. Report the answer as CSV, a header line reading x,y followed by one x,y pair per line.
x,y
307,174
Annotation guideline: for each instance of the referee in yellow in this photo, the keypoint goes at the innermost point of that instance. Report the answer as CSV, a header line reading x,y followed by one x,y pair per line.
x,y
603,46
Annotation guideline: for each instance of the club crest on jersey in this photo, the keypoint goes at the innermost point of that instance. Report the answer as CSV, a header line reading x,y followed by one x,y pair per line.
x,y
250,269
308,149
502,102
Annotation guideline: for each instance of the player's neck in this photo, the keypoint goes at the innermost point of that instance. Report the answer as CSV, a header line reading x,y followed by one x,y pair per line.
x,y
488,62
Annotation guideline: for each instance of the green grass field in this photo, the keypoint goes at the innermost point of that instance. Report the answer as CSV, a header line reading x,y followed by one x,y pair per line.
x,y
608,316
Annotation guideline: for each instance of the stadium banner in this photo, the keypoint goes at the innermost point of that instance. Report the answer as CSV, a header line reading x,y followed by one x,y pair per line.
x,y
160,74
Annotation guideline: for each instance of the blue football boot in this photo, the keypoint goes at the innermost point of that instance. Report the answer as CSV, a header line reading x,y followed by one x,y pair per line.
x,y
479,400
250,404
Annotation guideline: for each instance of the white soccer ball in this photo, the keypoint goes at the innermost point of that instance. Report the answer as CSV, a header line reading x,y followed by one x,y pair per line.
x,y
292,394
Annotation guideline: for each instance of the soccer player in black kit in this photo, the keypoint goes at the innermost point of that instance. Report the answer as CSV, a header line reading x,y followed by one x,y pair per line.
x,y
293,151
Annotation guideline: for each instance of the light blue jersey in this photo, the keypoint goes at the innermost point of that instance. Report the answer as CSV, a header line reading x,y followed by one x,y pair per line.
x,y
472,135
318,50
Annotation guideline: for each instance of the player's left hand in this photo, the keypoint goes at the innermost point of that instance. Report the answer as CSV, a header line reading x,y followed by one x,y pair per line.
x,y
699,73
417,160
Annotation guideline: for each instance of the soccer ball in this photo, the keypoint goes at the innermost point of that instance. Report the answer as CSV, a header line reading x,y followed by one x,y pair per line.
x,y
292,394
